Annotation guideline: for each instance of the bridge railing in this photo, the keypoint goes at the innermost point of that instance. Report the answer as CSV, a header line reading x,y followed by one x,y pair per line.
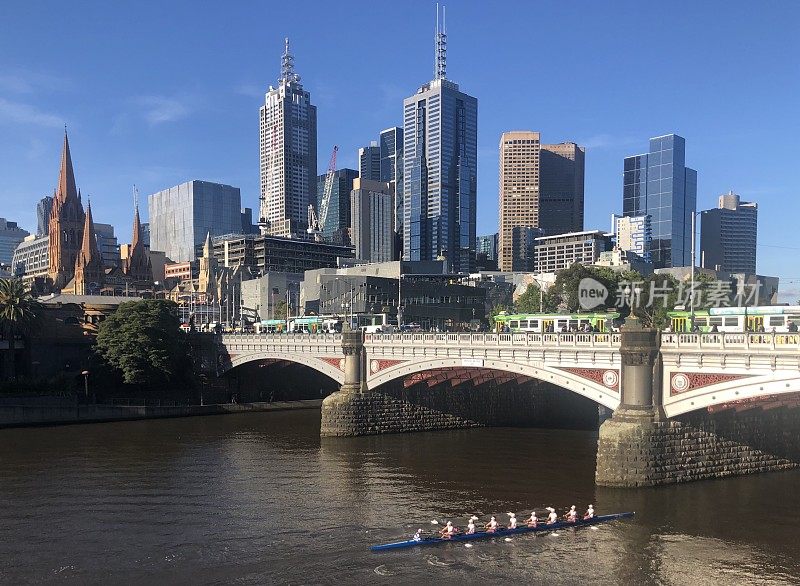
x,y
483,339
788,342
280,337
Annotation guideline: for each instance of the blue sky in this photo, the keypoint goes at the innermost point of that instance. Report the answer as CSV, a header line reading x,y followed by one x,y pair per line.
x,y
159,93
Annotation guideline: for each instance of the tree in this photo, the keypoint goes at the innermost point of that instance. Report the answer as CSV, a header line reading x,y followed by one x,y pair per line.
x,y
143,340
533,299
19,313
565,294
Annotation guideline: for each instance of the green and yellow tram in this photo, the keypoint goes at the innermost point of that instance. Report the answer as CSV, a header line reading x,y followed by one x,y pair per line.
x,y
555,322
765,318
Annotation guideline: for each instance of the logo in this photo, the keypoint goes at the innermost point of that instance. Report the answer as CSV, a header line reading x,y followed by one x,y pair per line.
x,y
610,378
591,293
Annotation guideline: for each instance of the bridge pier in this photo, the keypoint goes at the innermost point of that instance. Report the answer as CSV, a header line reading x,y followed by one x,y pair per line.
x,y
342,410
639,446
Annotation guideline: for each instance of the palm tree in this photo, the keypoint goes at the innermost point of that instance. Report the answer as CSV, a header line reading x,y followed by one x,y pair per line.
x,y
19,311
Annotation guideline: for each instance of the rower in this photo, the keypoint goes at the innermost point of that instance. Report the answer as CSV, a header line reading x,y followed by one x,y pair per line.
x,y
417,535
572,514
512,520
448,530
492,525
471,525
533,520
589,513
552,517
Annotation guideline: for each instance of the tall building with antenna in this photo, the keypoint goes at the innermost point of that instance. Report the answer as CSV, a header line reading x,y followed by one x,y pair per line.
x,y
288,154
440,150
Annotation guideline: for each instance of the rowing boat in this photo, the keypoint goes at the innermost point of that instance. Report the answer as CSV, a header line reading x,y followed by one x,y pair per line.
x,y
501,532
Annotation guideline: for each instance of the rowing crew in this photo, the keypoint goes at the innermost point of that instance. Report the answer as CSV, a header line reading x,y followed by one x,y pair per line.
x,y
449,530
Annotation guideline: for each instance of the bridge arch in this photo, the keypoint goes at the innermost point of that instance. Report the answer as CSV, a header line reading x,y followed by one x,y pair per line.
x,y
323,366
566,378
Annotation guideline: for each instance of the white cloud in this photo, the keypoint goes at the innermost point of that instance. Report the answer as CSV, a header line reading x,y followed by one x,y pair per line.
x,y
160,109
21,113
250,90
27,82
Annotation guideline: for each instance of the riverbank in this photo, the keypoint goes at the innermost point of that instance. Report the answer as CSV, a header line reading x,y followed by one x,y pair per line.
x,y
39,415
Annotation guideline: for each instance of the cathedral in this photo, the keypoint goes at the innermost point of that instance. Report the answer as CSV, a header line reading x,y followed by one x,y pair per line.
x,y
76,265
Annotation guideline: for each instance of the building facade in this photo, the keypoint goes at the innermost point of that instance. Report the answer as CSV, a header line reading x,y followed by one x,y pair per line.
x,y
440,150
486,252
391,143
369,162
728,235
336,225
541,187
263,254
634,234
107,245
181,216
659,184
10,237
287,153
32,258
372,206
555,253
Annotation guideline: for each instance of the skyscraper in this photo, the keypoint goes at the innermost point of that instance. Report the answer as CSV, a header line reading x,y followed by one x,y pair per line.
x,y
369,162
561,188
181,216
440,148
728,235
658,183
337,218
43,209
391,143
634,234
288,153
373,220
541,188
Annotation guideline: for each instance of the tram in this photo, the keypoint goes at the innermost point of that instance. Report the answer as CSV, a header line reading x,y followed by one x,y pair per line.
x,y
764,318
556,322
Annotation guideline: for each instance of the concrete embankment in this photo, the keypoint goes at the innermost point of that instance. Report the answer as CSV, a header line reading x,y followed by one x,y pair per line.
x,y
31,415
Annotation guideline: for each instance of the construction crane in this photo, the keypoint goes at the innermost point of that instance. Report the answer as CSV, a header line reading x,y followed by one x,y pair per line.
x,y
326,194
313,224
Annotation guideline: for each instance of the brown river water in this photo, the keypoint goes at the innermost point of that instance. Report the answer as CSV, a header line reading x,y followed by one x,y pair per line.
x,y
259,498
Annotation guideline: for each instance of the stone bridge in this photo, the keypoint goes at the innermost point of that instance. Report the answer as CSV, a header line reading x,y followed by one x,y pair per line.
x,y
664,388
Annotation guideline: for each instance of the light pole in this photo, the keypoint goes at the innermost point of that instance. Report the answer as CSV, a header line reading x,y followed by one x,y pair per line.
x,y
691,286
85,374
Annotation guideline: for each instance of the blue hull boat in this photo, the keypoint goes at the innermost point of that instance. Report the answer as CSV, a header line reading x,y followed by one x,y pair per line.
x,y
541,528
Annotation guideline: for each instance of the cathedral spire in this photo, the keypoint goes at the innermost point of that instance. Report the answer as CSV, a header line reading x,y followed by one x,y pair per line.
x,y
66,176
207,249
88,251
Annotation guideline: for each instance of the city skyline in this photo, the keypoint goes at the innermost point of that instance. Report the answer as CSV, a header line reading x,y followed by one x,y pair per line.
x,y
38,93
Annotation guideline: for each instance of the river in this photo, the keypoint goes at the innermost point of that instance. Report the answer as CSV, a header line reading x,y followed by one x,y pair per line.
x,y
260,499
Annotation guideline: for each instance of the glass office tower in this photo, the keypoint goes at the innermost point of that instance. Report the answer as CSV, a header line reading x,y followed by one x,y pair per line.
x,y
659,184
391,145
440,128
337,221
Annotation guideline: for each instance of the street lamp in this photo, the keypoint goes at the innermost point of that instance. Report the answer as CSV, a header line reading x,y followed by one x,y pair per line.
x,y
85,374
694,254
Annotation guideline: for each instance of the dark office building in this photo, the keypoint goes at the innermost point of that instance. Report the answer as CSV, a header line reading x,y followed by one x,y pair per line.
x,y
728,235
660,184
262,254
432,301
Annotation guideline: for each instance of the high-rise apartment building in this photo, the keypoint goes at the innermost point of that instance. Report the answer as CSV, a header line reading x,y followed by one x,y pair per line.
x,y
181,216
10,237
288,154
440,151
336,224
369,162
43,209
373,211
728,235
559,252
634,234
659,184
541,187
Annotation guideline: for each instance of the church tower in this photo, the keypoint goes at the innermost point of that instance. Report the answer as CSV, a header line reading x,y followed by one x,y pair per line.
x,y
89,271
66,224
207,276
137,266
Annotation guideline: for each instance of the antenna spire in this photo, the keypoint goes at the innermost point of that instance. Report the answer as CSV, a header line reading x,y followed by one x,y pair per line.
x,y
287,65
441,45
